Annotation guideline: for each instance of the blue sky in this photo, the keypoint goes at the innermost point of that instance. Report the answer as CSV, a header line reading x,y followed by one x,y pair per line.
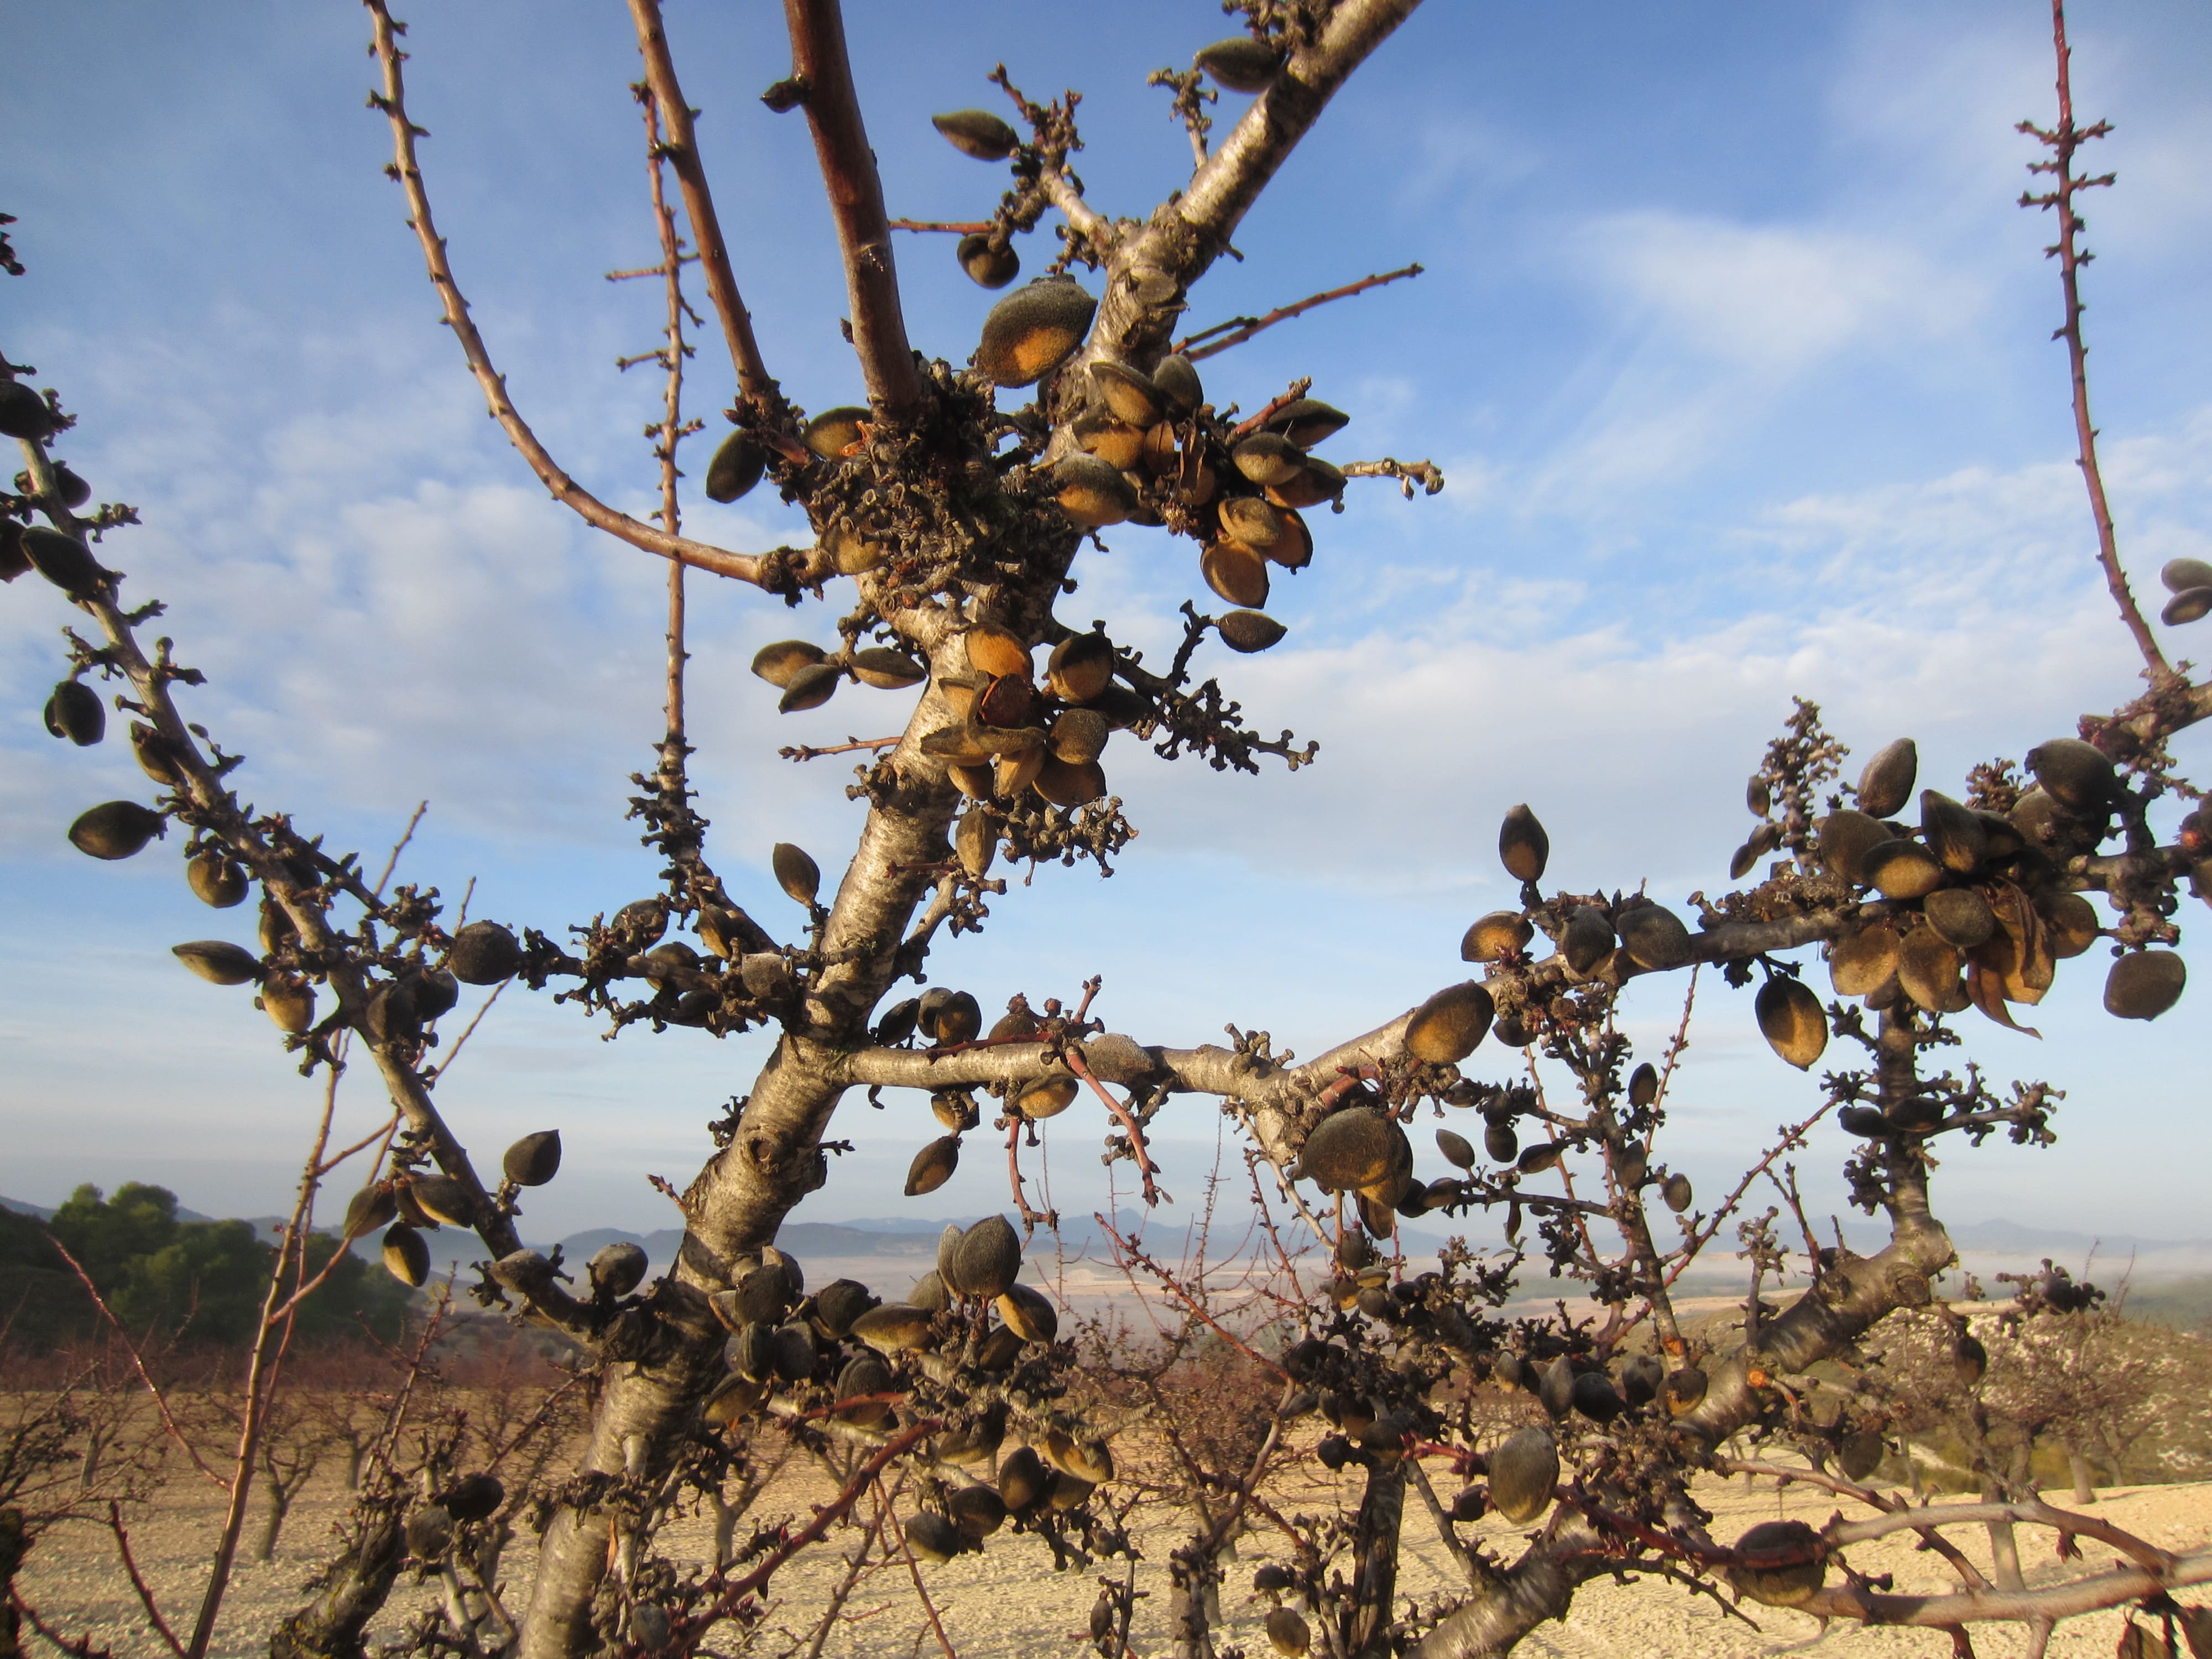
x,y
1731,343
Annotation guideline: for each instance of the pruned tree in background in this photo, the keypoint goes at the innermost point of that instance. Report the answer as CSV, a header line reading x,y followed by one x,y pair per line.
x,y
949,511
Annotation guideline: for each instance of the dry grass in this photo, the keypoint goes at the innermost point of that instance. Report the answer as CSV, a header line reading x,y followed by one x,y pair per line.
x,y
1008,1601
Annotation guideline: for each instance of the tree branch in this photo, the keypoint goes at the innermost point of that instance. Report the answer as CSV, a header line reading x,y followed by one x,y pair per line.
x,y
1245,327
682,149
2088,1595
2063,141
818,62
566,490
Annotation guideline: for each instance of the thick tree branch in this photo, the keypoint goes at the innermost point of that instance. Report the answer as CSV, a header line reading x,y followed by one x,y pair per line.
x,y
2088,1595
819,63
682,149
1221,192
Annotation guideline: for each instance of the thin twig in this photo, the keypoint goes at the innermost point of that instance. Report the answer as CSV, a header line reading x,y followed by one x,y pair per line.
x,y
948,227
384,1133
137,1581
1127,1247
2064,140
272,1338
1237,329
828,1515
914,1569
399,846
461,1042
1129,1122
589,507
160,1402
802,753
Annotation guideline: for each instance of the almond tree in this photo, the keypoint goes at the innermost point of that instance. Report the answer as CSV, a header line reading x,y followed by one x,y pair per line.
x,y
948,515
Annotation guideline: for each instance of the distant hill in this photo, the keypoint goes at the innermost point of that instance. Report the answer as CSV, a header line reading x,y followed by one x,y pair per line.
x,y
45,1212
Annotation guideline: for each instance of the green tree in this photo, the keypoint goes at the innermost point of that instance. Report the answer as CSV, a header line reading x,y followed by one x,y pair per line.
x,y
201,1281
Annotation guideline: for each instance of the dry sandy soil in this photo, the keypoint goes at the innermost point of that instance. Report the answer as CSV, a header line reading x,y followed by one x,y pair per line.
x,y
1007,1601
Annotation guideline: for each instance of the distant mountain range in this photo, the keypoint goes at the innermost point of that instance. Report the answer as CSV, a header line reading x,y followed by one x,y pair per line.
x,y
908,1244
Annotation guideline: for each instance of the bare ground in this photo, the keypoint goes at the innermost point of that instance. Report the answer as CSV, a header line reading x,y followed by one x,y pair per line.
x,y
1007,1601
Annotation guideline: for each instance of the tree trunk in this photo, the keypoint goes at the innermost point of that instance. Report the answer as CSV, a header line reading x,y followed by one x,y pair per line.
x,y
356,1450
1189,1632
773,1160
1375,1563
2112,1456
2085,1490
11,1557
330,1625
264,1543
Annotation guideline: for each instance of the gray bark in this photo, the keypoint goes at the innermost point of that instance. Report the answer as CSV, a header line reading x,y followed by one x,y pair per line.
x,y
1375,1563
330,1625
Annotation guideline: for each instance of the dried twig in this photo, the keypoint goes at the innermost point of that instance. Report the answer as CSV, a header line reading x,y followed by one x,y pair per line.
x,y
138,1580
1237,329
399,846
2064,140
392,101
890,1523
801,752
137,1362
1427,474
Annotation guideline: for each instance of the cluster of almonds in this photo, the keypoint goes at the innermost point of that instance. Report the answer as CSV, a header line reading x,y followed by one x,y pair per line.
x,y
1970,908
744,971
411,1203
398,1009
2189,581
944,1018
844,1353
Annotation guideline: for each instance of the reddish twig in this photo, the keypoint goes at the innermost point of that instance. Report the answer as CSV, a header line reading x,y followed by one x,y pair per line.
x,y
890,1524
79,1647
1129,1122
139,1364
1127,1248
825,1517
2064,140
1245,327
950,226
589,507
800,752
137,1581
1283,399
384,1133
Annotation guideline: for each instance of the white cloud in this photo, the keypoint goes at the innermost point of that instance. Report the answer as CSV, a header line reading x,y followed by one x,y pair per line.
x,y
1774,299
